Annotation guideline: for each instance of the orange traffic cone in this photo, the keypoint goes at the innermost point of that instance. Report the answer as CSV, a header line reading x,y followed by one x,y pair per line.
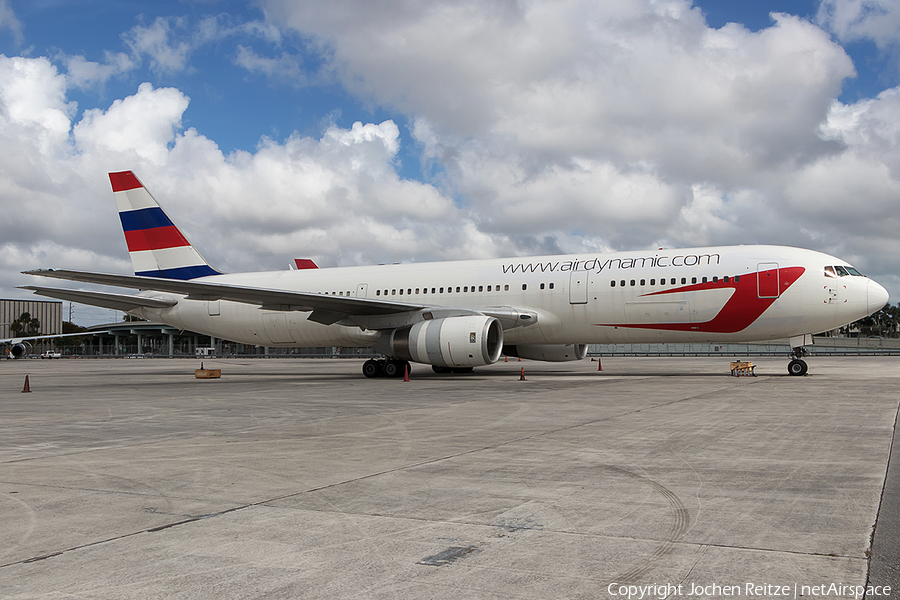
x,y
522,376
599,365
505,359
27,387
405,372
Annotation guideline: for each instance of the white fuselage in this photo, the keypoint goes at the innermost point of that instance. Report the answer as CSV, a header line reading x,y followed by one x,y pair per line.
x,y
642,296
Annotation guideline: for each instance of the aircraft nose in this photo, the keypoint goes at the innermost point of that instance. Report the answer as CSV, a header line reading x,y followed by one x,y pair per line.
x,y
877,296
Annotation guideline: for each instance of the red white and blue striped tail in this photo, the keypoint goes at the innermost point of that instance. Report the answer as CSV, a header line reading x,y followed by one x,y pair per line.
x,y
156,246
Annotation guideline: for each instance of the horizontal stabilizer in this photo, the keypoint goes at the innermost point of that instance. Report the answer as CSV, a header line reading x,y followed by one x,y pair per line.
x,y
121,302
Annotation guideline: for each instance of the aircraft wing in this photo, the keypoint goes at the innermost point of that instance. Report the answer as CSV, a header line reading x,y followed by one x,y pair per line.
x,y
325,309
267,298
123,302
28,338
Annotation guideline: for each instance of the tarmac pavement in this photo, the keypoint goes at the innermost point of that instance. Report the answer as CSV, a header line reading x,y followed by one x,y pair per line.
x,y
302,479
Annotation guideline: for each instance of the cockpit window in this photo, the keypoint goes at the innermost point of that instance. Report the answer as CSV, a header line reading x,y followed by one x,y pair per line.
x,y
829,272
853,271
841,271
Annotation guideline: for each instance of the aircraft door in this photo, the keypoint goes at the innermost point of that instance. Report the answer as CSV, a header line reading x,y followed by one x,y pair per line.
x,y
767,283
362,290
578,287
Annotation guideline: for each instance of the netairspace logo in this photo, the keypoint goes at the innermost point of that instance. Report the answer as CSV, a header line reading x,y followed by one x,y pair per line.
x,y
749,590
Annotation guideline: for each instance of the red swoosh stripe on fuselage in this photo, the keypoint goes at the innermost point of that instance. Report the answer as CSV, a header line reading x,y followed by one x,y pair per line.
x,y
739,312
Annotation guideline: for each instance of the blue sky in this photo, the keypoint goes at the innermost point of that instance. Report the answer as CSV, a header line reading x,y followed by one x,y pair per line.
x,y
359,133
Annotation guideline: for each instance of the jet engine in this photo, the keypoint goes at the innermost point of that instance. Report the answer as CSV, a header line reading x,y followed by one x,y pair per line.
x,y
19,350
547,352
458,342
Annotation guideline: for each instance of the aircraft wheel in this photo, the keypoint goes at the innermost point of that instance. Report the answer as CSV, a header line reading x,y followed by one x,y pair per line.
x,y
372,368
464,370
797,367
392,368
440,370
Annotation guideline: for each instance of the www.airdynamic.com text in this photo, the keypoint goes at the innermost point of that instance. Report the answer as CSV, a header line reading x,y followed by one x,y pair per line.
x,y
598,265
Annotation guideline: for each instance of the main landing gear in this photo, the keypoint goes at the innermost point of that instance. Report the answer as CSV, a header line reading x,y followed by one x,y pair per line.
x,y
385,368
798,366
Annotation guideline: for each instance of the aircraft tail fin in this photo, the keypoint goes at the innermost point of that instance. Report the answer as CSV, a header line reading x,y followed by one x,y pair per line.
x,y
156,246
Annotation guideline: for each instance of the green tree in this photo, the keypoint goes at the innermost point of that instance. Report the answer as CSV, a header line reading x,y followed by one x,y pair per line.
x,y
882,323
25,326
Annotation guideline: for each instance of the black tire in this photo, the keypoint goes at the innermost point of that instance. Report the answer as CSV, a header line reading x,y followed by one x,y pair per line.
x,y
392,368
463,370
440,370
797,367
372,368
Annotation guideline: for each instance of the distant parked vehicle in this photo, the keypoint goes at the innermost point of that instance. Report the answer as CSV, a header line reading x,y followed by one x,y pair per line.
x,y
51,354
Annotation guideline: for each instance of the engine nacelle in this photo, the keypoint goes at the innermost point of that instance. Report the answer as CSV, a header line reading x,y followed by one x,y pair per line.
x,y
547,352
19,350
469,341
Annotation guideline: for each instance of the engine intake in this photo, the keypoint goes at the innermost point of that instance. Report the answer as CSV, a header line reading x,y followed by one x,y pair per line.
x,y
547,352
468,341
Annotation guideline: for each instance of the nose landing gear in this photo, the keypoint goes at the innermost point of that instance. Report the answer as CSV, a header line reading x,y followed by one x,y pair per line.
x,y
798,366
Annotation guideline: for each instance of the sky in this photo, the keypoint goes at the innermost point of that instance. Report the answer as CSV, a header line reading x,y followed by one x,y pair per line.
x,y
396,131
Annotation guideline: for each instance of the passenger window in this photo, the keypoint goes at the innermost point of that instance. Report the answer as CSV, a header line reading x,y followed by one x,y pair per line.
x,y
377,292
401,291
457,289
480,288
622,283
524,286
683,280
612,283
466,289
551,286
704,280
393,292
632,283
726,279
442,290
715,280
542,286
506,288
693,280
652,282
489,288
737,278
643,282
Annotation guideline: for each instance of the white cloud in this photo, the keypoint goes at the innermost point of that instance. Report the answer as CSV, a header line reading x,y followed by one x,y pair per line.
x,y
853,20
8,20
158,42
286,67
84,74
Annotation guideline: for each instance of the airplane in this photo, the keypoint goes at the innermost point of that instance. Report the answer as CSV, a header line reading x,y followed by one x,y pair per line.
x,y
458,315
